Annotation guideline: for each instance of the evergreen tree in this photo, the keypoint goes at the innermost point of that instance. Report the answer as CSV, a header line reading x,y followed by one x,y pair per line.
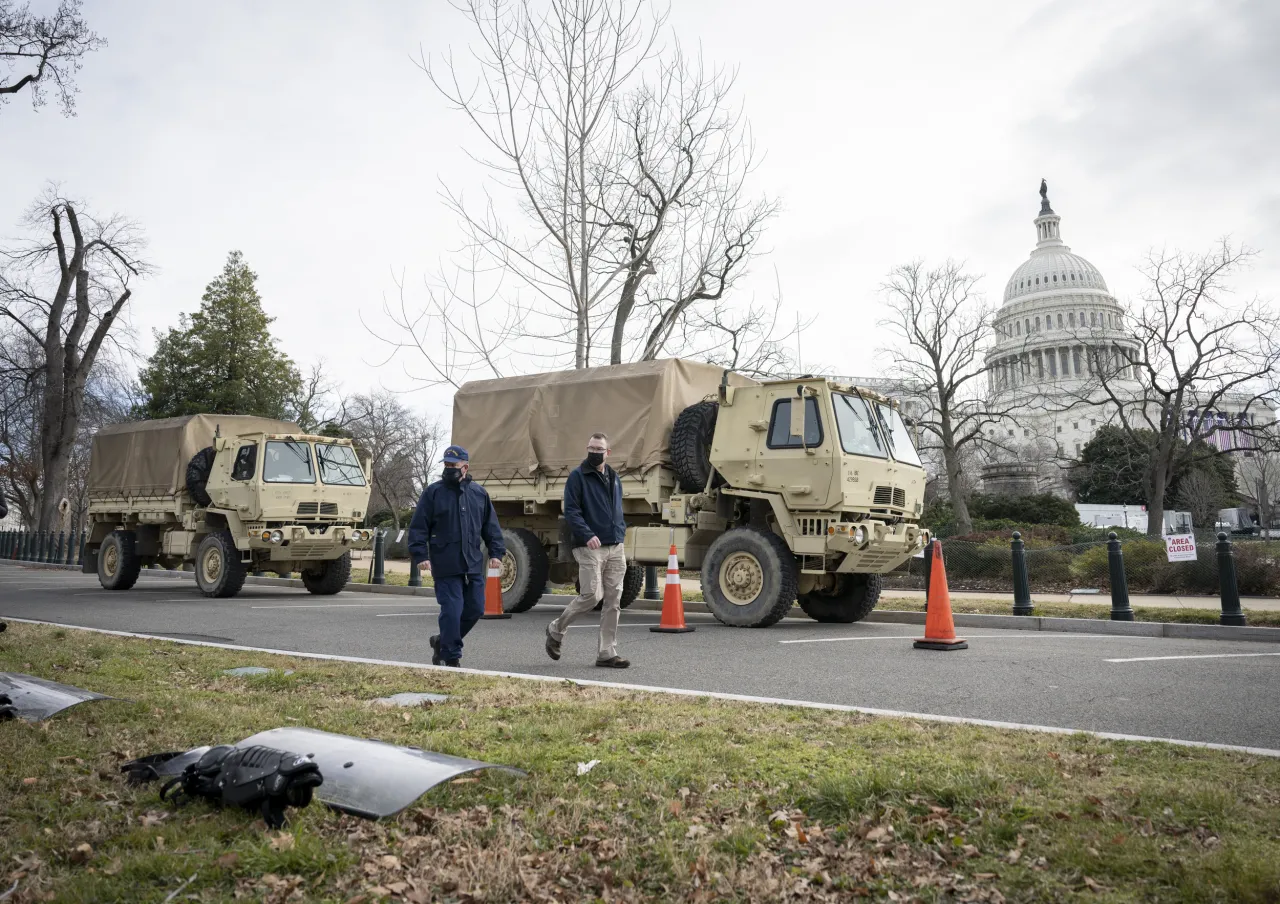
x,y
221,359
1114,467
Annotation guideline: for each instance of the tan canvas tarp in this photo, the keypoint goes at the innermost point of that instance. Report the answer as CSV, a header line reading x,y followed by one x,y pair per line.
x,y
518,425
149,458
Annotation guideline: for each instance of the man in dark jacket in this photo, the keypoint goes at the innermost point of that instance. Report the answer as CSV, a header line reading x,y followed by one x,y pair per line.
x,y
452,518
593,509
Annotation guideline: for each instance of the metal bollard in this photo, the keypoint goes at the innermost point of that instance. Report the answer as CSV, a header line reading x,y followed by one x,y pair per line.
x,y
84,537
928,570
1232,614
379,554
43,545
4,546
415,575
651,583
1021,581
21,551
1120,608
70,557
57,555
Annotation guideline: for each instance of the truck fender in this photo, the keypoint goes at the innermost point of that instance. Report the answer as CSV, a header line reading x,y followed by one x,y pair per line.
x,y
780,512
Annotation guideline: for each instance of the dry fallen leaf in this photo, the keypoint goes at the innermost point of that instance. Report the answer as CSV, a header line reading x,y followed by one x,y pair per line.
x,y
584,768
229,860
81,854
876,833
675,807
30,781
389,861
159,842
1093,884
800,835
113,867
282,842
695,830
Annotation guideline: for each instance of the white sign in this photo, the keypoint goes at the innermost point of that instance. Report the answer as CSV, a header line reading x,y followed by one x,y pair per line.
x,y
1180,547
399,536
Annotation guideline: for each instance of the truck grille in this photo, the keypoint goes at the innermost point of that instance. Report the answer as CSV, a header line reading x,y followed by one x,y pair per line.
x,y
318,508
812,527
890,496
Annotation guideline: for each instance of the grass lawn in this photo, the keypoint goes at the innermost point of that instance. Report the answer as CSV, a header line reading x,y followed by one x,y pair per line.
x,y
692,800
1087,610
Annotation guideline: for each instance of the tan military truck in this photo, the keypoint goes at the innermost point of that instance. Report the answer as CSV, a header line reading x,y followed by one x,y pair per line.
x,y
781,491
227,494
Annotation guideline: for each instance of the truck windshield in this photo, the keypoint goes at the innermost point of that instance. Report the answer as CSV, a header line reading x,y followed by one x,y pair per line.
x,y
899,438
338,465
859,433
288,462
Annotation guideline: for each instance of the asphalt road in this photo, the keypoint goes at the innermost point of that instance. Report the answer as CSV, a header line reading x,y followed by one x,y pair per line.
x,y
1211,691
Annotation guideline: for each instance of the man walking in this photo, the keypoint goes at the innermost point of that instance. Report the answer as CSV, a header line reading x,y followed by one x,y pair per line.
x,y
453,516
593,509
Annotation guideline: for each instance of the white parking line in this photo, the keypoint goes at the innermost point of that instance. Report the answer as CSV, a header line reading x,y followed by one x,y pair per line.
x,y
1019,635
344,606
1192,656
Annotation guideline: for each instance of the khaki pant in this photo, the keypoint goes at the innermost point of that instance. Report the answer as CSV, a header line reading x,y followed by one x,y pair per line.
x,y
600,574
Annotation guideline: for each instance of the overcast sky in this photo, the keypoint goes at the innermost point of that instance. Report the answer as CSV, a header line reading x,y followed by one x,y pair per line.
x,y
304,135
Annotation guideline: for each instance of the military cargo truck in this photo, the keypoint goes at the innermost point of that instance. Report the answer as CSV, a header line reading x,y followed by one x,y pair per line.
x,y
226,494
779,491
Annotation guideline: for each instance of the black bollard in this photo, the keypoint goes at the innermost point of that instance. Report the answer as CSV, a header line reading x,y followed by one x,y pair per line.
x,y
42,545
1120,608
70,557
4,546
379,576
84,536
57,556
1021,581
928,571
651,583
1232,614
20,552
415,575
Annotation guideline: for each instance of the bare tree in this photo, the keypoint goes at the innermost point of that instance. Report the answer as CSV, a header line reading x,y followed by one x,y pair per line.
x,y
36,51
65,293
1201,494
1194,354
941,324
1260,480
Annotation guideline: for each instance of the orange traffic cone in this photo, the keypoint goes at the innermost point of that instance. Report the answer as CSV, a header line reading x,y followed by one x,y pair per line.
x,y
672,621
939,628
493,596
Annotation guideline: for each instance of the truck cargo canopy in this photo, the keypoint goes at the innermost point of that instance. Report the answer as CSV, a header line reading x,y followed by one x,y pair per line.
x,y
149,458
518,426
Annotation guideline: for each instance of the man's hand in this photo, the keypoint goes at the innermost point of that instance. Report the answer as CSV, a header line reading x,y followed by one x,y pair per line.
x,y
495,563
593,543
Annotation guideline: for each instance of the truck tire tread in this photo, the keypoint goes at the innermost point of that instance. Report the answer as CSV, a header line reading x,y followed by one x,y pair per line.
x,y
130,563
852,604
774,555
531,557
691,437
234,571
198,471
335,577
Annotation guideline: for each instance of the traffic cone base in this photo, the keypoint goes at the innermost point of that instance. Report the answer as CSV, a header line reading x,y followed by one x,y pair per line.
x,y
672,621
939,627
493,596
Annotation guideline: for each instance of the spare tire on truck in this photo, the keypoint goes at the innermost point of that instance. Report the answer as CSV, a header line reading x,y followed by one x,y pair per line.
x,y
198,471
691,437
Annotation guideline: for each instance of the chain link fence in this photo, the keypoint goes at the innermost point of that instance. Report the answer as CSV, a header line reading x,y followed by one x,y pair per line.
x,y
987,565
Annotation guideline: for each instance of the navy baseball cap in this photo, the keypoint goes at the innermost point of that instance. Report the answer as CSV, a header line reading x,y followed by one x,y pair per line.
x,y
455,454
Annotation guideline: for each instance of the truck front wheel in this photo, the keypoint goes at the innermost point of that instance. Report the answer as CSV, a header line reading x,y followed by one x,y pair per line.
x,y
749,578
850,600
331,578
219,571
524,570
118,561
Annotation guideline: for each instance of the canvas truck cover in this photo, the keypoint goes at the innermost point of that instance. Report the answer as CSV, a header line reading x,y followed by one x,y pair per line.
x,y
518,426
149,458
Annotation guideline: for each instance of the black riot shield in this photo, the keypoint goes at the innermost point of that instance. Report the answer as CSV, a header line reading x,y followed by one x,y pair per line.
x,y
366,777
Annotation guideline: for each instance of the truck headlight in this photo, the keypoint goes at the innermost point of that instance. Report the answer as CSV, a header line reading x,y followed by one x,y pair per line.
x,y
859,535
265,536
277,536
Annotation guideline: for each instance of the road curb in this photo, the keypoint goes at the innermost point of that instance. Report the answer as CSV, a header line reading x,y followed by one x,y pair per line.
x,y
1173,630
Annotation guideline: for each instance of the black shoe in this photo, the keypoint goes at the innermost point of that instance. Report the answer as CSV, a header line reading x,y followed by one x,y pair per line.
x,y
553,645
613,662
453,664
434,640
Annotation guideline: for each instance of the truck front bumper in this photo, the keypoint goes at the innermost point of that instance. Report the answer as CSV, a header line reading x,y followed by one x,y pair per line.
x,y
879,548
299,543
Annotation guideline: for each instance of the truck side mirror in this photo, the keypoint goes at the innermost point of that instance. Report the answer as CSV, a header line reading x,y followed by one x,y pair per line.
x,y
797,413
220,444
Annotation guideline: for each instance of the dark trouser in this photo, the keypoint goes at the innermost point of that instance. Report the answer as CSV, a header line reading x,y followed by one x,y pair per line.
x,y
461,599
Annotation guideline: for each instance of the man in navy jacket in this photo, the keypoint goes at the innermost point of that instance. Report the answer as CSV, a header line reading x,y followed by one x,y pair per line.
x,y
452,518
593,509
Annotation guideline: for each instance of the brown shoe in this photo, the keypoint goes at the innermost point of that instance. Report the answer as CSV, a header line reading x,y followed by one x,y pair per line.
x,y
613,662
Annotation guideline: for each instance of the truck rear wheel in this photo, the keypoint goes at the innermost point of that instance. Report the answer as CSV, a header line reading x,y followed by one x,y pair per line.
x,y
850,600
691,437
198,471
524,570
749,578
118,561
219,571
331,578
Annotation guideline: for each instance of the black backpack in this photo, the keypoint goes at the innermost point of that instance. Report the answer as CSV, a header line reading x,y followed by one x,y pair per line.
x,y
248,777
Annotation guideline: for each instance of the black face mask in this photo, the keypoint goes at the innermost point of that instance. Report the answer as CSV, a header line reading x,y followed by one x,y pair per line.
x,y
452,476
595,459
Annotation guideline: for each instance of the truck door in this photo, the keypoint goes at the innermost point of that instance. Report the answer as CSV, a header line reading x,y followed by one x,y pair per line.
x,y
796,464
